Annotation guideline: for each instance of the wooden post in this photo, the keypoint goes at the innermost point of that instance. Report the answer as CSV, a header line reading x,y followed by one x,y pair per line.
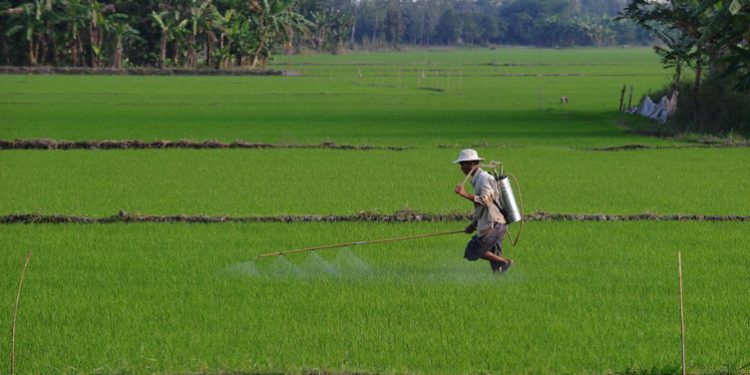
x,y
682,312
630,98
15,315
622,96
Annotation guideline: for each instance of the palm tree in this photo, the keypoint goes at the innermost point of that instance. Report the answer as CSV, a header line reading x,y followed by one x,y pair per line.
x,y
274,21
729,31
28,20
118,25
9,25
75,15
200,13
171,27
96,12
233,33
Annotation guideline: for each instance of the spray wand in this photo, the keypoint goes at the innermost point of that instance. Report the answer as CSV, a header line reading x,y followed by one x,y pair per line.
x,y
347,244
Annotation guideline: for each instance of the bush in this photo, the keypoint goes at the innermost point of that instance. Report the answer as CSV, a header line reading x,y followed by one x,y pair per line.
x,y
717,111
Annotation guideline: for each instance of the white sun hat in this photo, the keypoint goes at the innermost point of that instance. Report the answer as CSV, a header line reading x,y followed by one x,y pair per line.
x,y
467,155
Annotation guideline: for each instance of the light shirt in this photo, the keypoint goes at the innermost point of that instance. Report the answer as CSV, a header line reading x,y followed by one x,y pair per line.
x,y
486,212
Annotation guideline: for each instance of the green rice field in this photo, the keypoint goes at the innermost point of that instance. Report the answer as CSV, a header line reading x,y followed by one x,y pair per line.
x,y
174,298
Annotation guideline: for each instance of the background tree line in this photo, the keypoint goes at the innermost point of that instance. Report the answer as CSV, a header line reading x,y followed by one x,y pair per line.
x,y
547,23
182,33
220,33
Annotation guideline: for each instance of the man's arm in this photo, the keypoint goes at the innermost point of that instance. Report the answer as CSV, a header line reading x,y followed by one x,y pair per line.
x,y
462,192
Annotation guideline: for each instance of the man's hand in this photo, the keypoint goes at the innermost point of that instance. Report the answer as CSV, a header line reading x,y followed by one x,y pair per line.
x,y
460,190
470,229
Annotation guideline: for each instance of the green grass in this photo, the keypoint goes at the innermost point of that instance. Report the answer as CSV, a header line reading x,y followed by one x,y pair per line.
x,y
274,182
583,297
392,102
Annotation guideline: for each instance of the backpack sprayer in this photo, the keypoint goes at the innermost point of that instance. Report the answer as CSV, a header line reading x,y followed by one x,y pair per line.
x,y
507,205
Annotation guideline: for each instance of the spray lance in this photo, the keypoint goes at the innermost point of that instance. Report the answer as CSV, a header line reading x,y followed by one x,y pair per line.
x,y
348,244
509,207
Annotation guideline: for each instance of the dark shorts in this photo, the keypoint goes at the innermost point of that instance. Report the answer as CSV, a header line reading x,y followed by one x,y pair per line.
x,y
492,241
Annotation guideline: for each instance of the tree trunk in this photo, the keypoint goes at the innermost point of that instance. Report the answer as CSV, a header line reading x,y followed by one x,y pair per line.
x,y
80,52
4,50
44,47
94,39
32,52
190,60
117,58
176,54
697,87
74,52
257,52
678,71
210,42
53,50
163,51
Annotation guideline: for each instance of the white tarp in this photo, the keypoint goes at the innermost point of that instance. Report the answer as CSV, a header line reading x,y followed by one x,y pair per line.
x,y
659,112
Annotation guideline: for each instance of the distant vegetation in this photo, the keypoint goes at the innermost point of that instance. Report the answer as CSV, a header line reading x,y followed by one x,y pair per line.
x,y
711,38
222,33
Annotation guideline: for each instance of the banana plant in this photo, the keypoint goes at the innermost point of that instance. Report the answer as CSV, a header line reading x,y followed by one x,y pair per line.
x,y
29,20
232,29
96,31
274,21
117,24
171,27
200,15
75,14
729,32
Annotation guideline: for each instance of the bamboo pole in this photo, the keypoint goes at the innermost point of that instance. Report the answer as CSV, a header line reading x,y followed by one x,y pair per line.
x,y
345,244
15,315
682,313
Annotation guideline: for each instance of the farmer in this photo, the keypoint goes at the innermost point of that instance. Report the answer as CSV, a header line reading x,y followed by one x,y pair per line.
x,y
488,220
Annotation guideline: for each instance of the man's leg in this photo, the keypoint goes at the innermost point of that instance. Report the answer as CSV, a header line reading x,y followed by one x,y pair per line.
x,y
497,249
497,262
495,265
489,255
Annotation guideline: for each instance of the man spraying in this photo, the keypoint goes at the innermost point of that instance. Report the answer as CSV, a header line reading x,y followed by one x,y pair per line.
x,y
488,221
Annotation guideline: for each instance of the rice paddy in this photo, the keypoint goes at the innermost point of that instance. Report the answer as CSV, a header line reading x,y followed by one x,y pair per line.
x,y
175,298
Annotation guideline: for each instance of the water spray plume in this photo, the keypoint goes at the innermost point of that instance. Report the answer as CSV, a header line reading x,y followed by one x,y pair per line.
x,y
355,243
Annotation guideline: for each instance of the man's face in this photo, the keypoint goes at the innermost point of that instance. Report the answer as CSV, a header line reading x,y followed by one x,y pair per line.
x,y
467,166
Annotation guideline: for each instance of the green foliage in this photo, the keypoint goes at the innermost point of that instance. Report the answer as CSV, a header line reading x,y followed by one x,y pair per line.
x,y
722,112
71,32
710,36
63,32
